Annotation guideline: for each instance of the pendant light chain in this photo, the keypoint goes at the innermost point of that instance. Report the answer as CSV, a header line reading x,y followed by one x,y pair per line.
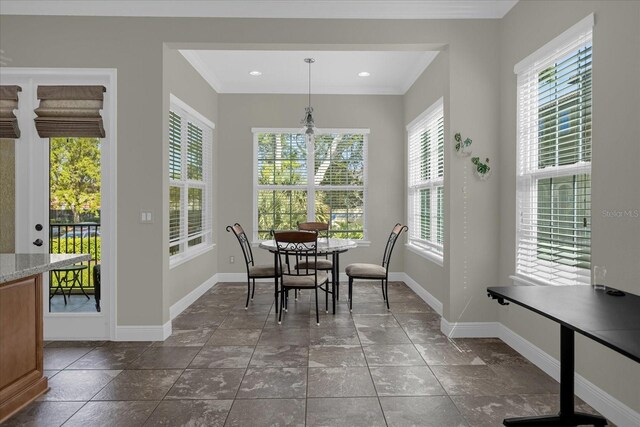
x,y
309,83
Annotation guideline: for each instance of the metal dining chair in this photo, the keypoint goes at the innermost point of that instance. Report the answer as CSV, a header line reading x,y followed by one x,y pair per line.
x,y
323,263
253,271
302,246
375,271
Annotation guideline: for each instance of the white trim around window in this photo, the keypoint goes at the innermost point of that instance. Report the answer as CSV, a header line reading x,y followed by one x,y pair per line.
x,y
349,185
553,180
190,183
425,183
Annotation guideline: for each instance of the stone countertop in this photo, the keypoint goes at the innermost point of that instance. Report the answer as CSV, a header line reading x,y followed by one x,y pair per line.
x,y
17,266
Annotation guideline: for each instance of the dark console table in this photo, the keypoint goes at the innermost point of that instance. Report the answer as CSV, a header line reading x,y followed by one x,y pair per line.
x,y
613,321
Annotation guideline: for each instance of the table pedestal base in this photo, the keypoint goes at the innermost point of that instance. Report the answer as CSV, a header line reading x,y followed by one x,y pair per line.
x,y
575,419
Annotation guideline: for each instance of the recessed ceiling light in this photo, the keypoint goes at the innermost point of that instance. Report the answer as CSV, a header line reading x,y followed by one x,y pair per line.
x,y
364,74
255,73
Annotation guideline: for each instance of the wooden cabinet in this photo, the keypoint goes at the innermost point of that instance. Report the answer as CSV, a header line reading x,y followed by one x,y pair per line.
x,y
21,367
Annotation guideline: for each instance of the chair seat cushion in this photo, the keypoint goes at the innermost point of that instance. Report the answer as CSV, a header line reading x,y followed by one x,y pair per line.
x,y
367,271
323,264
303,281
261,271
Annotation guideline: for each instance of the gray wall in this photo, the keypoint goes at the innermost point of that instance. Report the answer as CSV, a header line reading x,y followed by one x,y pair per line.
x,y
615,172
7,196
432,85
181,80
382,115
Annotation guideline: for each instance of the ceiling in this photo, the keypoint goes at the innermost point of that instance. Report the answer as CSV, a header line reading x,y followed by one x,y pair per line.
x,y
321,9
334,72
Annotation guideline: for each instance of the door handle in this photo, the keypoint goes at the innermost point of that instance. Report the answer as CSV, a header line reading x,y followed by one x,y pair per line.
x,y
37,242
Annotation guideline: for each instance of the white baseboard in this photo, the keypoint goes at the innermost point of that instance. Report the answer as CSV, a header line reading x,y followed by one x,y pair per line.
x,y
469,329
143,333
192,296
432,301
603,402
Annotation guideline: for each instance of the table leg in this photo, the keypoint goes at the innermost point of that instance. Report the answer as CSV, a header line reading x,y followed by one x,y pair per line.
x,y
567,415
336,273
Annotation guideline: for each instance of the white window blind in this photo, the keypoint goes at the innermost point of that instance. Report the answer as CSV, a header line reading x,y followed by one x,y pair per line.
x,y
554,161
190,180
286,192
426,180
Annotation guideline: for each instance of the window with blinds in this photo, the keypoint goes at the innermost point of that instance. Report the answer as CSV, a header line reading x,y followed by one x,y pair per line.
x,y
190,164
426,180
554,161
321,179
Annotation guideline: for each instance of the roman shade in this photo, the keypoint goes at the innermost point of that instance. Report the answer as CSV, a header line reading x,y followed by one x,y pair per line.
x,y
8,121
70,111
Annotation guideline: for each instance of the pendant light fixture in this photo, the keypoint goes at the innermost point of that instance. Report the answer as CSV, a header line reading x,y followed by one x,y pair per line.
x,y
308,122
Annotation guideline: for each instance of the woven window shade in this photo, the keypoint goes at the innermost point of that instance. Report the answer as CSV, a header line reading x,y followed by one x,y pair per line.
x,y
8,121
70,111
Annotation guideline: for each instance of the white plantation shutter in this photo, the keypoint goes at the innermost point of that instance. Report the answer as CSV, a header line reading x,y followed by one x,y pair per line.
x,y
426,179
190,179
298,180
554,160
339,174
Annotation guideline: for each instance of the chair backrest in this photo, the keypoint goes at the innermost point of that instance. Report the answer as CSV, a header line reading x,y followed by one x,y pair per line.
x,y
321,227
391,242
244,243
303,245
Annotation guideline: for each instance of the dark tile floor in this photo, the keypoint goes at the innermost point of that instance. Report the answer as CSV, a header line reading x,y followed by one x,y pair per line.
x,y
227,366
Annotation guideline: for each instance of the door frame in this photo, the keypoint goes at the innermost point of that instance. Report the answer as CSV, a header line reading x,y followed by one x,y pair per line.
x,y
65,326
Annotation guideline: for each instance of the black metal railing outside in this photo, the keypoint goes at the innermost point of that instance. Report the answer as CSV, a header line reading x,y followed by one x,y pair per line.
x,y
77,238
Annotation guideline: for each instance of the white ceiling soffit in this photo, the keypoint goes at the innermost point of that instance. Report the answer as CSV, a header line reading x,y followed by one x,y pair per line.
x,y
334,72
327,9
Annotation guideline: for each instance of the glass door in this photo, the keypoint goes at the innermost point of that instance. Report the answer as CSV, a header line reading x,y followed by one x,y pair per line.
x,y
60,189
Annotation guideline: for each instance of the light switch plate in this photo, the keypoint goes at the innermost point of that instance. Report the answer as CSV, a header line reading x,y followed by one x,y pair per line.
x,y
146,217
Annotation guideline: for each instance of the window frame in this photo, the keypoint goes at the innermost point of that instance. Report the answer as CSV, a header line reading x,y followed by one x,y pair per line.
x,y
310,187
529,173
428,248
188,115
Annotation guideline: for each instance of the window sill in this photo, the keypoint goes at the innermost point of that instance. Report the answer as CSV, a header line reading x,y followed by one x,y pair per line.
x,y
520,280
431,256
180,259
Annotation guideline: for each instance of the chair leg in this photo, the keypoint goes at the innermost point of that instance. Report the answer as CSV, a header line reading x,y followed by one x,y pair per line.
x,y
386,289
317,315
275,295
350,293
286,301
326,297
281,307
253,290
295,294
246,306
384,297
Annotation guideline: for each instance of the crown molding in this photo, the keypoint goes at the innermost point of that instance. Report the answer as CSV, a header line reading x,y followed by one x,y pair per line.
x,y
298,9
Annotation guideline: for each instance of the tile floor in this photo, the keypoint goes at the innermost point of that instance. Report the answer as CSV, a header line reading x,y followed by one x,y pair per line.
x,y
227,366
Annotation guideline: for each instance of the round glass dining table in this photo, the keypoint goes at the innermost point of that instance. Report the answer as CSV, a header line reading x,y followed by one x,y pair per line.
x,y
332,246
